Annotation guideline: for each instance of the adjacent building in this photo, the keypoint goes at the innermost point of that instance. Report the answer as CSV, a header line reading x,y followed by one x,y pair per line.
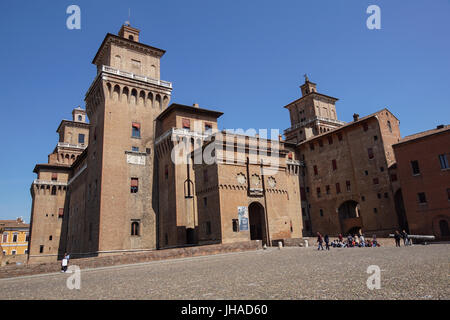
x,y
14,237
423,166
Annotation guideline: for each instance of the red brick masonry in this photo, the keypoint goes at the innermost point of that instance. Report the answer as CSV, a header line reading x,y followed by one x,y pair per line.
x,y
129,258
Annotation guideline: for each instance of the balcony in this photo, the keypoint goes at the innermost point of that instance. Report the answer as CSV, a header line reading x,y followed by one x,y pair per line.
x,y
303,123
69,145
130,75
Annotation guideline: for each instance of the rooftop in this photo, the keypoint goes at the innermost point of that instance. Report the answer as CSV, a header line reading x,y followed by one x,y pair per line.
x,y
424,134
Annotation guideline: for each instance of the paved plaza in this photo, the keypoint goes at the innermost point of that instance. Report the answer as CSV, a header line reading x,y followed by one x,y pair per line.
x,y
418,272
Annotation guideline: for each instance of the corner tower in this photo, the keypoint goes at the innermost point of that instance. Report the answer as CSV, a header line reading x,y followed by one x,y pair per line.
x,y
122,104
312,114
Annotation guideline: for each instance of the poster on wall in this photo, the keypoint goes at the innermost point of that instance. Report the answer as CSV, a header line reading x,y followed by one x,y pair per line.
x,y
243,218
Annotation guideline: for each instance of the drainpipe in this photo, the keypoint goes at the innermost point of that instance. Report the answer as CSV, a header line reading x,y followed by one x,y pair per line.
x,y
265,205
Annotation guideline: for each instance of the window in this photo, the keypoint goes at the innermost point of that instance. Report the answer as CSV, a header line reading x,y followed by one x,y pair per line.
x,y
131,37
54,176
375,210
5,237
135,130
370,153
318,192
205,201
444,161
381,169
376,181
208,127
135,228
54,191
186,123
15,236
315,171
14,252
135,149
134,185
321,212
50,238
338,188
375,138
330,140
327,189
366,173
61,212
422,198
339,136
235,225
379,195
41,248
81,138
347,184
389,126
333,163
363,198
415,167
365,126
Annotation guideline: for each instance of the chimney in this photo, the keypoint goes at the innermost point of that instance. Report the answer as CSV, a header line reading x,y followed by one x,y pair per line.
x,y
195,105
355,117
441,126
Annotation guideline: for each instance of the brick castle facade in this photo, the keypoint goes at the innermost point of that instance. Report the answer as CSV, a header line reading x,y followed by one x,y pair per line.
x,y
112,186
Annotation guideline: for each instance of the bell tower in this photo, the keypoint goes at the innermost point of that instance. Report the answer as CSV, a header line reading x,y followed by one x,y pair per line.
x,y
312,114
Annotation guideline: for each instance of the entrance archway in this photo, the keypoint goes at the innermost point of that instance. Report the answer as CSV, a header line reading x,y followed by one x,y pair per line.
x,y
257,222
349,217
400,210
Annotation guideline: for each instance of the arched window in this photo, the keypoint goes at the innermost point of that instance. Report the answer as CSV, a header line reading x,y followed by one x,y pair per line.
x,y
443,226
80,118
130,37
135,228
53,190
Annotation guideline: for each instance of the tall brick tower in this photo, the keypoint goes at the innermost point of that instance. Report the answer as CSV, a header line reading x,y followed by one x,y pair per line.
x,y
312,114
49,190
122,103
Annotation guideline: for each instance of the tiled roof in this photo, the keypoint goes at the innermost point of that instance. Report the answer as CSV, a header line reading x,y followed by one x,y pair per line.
x,y
424,134
13,224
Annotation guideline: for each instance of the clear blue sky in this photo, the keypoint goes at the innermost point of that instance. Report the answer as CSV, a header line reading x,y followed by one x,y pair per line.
x,y
245,58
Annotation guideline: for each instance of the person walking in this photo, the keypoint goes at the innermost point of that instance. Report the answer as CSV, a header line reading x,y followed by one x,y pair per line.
x,y
340,237
327,240
356,240
405,238
65,262
397,237
319,241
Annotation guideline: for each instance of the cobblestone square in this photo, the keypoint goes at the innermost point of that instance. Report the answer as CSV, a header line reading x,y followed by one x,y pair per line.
x,y
418,272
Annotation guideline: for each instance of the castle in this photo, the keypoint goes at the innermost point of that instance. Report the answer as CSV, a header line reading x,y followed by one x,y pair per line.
x,y
129,180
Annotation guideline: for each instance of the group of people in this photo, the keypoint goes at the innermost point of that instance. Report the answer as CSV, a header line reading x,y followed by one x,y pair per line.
x,y
401,235
350,242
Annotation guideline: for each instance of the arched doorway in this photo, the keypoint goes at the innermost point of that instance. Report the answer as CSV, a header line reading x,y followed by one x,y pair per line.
x,y
443,228
349,217
257,222
400,210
